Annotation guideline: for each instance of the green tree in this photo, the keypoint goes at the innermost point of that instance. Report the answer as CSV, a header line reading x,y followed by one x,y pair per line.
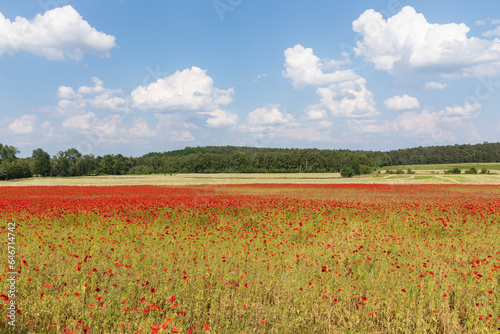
x,y
347,171
60,164
8,153
41,162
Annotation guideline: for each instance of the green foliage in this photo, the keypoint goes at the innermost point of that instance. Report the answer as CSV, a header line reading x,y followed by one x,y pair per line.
x,y
409,171
472,170
364,169
237,159
41,162
455,170
347,172
14,169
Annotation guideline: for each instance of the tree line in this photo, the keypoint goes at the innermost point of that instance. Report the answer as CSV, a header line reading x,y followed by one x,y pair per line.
x,y
235,159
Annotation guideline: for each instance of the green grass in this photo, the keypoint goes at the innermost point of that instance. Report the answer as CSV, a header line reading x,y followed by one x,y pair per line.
x,y
443,167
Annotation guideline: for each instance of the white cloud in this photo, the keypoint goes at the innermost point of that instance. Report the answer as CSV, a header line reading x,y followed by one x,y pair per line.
x,y
304,68
190,89
407,42
96,89
427,127
301,133
58,34
106,101
110,129
140,129
467,111
75,105
49,131
82,122
425,123
314,112
181,136
66,93
110,126
480,22
23,125
348,99
441,126
267,124
404,102
221,118
494,32
370,126
260,76
268,115
76,102
435,85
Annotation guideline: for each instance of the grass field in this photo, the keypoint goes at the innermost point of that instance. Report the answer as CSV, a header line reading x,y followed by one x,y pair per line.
x,y
493,167
302,178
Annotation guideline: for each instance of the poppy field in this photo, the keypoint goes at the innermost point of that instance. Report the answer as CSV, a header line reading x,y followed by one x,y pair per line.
x,y
273,258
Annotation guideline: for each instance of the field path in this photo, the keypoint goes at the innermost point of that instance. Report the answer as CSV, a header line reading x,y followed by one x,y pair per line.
x,y
447,179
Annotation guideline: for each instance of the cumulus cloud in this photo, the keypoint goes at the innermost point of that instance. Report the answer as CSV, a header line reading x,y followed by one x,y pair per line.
x,y
140,129
348,99
305,68
221,118
467,111
82,122
73,102
23,125
110,126
404,102
315,112
435,85
190,89
66,93
422,124
58,34
110,129
428,127
182,136
268,115
440,126
407,42
494,32
371,126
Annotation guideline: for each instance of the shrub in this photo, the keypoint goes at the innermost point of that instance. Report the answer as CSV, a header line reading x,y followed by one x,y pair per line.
x,y
473,170
455,170
347,172
364,169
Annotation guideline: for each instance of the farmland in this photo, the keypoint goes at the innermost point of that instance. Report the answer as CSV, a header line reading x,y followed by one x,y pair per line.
x,y
421,177
268,258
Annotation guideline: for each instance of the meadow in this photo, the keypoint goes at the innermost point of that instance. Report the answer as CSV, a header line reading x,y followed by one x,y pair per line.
x,y
253,258
423,176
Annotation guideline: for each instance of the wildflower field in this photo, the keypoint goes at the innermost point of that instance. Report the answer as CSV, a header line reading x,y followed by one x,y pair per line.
x,y
271,258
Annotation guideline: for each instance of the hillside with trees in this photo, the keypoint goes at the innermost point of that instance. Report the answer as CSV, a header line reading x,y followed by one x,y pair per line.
x,y
235,159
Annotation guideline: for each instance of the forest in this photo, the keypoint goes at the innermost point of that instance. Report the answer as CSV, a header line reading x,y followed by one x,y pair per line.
x,y
234,159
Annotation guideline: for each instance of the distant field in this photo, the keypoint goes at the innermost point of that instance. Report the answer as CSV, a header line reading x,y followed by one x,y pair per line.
x,y
493,167
317,178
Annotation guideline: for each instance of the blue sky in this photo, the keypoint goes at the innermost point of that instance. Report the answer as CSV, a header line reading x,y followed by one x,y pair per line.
x,y
122,76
